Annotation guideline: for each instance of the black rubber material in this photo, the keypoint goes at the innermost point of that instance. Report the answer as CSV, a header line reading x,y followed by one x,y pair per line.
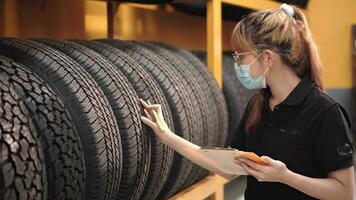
x,y
200,100
60,141
148,89
124,102
197,98
211,89
179,103
22,167
194,96
88,107
214,91
201,176
219,105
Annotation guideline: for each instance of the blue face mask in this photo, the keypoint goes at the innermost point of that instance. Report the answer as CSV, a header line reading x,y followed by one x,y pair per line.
x,y
244,76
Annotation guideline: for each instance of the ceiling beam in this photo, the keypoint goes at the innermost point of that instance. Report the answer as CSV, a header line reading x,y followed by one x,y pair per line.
x,y
253,4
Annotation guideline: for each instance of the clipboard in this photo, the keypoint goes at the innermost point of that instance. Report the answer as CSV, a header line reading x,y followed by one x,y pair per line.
x,y
224,158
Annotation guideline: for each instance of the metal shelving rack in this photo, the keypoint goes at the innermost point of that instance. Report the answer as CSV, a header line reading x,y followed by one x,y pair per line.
x,y
211,187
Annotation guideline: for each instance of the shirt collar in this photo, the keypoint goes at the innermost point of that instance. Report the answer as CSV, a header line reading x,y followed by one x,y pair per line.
x,y
297,95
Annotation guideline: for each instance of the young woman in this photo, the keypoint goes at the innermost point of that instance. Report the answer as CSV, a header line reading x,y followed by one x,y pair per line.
x,y
302,133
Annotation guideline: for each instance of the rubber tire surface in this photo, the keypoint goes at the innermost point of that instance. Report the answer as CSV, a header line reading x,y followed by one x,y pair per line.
x,y
88,107
200,100
213,90
148,89
123,100
22,167
60,142
179,103
194,96
219,105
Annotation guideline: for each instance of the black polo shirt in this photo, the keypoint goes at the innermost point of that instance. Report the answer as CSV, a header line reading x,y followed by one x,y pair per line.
x,y
306,132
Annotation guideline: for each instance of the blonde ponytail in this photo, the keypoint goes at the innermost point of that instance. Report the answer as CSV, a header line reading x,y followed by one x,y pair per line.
x,y
313,60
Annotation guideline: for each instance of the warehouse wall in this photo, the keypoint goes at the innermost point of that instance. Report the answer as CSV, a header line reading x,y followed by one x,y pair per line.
x,y
331,26
41,18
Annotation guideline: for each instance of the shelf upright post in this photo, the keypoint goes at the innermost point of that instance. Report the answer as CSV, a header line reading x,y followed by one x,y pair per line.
x,y
214,39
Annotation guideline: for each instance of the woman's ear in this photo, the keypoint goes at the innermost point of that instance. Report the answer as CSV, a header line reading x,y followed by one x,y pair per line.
x,y
269,57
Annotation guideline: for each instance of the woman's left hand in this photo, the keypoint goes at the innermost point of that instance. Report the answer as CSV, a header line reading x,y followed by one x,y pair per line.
x,y
276,171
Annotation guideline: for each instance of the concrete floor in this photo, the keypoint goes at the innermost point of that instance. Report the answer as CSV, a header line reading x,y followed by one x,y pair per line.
x,y
235,189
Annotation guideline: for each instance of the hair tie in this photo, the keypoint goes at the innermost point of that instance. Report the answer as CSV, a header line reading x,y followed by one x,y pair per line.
x,y
288,9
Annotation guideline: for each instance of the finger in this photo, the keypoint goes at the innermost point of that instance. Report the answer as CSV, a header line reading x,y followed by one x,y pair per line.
x,y
268,160
148,122
238,162
153,106
145,105
147,114
252,171
253,164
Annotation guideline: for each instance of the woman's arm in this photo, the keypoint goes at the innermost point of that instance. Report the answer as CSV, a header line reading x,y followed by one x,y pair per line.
x,y
338,186
186,149
182,146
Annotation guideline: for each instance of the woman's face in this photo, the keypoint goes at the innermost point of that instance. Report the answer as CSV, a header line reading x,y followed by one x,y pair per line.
x,y
255,61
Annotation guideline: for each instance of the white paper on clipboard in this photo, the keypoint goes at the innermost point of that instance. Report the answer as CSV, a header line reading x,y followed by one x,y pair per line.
x,y
223,159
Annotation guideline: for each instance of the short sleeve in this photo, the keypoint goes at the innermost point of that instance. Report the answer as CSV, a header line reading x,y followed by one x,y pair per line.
x,y
334,148
238,139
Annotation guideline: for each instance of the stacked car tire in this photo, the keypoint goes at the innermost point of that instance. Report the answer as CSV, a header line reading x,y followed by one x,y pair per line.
x,y
70,123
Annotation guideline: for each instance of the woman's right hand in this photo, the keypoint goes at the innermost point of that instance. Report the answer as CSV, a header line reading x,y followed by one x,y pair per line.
x,y
151,122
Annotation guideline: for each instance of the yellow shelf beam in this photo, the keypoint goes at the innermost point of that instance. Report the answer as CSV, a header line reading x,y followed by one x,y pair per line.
x,y
214,39
163,7
253,4
211,187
